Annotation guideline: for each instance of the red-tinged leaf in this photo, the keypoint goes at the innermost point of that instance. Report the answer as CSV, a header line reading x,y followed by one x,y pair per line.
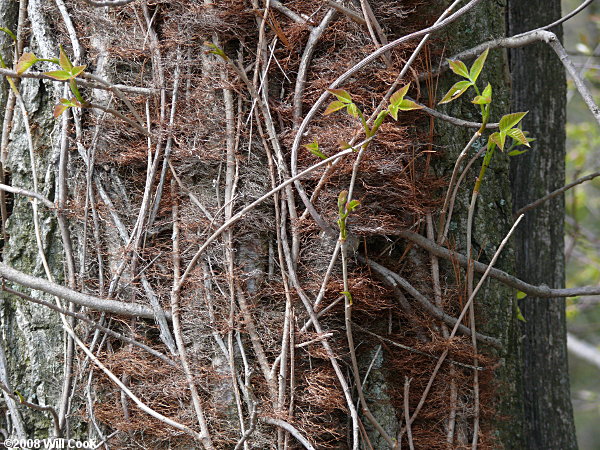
x,y
409,105
459,68
498,139
345,145
352,205
64,61
334,106
518,136
456,91
25,62
398,96
478,65
58,110
60,75
75,71
341,95
510,120
481,100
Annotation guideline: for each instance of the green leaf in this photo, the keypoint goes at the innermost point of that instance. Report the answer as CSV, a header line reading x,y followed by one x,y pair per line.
x,y
352,110
518,136
398,96
516,152
75,71
64,61
520,315
334,106
10,33
487,92
478,66
459,68
409,105
481,100
59,109
314,149
485,97
72,102
348,296
61,75
25,62
456,91
510,120
380,118
521,295
216,50
352,205
498,139
342,198
393,110
75,90
345,145
341,95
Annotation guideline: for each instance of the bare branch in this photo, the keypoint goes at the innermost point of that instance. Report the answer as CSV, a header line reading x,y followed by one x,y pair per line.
x,y
542,291
89,301
556,192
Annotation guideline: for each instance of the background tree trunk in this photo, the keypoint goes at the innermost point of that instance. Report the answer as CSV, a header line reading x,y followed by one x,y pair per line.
x,y
539,85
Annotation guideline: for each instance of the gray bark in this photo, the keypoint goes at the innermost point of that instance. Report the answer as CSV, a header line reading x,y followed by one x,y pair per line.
x,y
539,86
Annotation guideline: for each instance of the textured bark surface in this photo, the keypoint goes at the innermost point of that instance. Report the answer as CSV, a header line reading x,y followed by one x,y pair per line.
x,y
539,86
235,301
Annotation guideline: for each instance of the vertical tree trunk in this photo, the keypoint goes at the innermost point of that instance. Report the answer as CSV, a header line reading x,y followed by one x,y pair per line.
x,y
539,86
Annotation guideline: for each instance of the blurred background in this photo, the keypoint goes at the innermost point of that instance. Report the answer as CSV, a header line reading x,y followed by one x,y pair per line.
x,y
582,240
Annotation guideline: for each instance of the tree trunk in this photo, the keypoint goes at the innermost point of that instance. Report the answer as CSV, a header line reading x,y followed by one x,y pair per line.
x,y
257,347
540,241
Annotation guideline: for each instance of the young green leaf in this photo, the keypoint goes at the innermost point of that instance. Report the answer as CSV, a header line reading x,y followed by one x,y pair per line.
x,y
486,96
456,91
516,152
393,110
334,106
10,33
25,62
409,105
60,75
521,295
314,149
341,95
348,296
498,139
380,118
520,315
352,205
459,68
398,96
76,71
478,66
63,60
518,136
510,120
216,50
352,109
481,100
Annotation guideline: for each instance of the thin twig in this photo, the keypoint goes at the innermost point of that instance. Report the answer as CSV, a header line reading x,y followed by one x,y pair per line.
x,y
556,192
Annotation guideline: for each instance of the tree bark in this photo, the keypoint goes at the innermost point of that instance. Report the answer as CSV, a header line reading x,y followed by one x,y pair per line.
x,y
539,85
